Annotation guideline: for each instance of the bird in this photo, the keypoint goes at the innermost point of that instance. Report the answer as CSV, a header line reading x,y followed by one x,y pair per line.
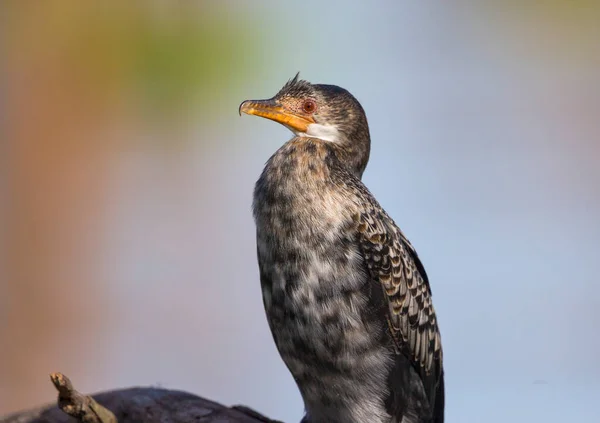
x,y
346,297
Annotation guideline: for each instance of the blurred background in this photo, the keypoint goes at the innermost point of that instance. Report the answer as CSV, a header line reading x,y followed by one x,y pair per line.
x,y
127,252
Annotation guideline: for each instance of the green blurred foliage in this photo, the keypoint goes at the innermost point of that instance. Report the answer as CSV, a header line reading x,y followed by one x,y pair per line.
x,y
156,58
191,61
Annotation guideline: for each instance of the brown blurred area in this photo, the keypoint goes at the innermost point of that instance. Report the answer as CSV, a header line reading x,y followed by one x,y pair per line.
x,y
56,196
80,80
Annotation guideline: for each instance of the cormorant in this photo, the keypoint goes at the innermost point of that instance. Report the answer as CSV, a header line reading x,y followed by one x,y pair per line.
x,y
346,297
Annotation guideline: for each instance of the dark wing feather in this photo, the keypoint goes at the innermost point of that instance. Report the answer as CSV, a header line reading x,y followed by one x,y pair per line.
x,y
392,261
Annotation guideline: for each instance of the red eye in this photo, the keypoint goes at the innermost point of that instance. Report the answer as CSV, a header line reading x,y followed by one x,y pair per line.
x,y
309,106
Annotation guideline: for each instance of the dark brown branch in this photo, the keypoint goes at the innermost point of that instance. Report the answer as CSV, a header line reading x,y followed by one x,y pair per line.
x,y
82,407
148,405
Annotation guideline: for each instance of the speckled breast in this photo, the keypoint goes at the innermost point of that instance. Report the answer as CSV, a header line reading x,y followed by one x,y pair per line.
x,y
313,283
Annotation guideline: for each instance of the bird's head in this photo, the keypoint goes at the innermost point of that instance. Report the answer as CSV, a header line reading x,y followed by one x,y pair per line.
x,y
326,112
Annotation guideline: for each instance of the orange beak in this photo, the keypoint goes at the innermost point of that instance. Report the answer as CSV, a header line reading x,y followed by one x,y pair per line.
x,y
271,109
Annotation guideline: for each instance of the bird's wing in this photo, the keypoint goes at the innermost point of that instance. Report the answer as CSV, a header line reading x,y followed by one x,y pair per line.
x,y
406,298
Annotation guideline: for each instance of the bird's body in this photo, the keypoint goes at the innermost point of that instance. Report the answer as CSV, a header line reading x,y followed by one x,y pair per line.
x,y
346,297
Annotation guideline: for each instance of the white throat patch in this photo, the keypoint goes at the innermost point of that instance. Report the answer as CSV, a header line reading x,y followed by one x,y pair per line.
x,y
322,132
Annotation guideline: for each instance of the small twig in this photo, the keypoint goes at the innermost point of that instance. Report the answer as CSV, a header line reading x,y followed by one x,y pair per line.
x,y
82,407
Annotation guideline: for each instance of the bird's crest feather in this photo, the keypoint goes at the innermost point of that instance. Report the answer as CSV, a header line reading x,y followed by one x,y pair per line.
x,y
294,87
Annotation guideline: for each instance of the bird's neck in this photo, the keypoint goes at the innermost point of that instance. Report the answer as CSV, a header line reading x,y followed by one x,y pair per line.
x,y
352,152
354,155
354,149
